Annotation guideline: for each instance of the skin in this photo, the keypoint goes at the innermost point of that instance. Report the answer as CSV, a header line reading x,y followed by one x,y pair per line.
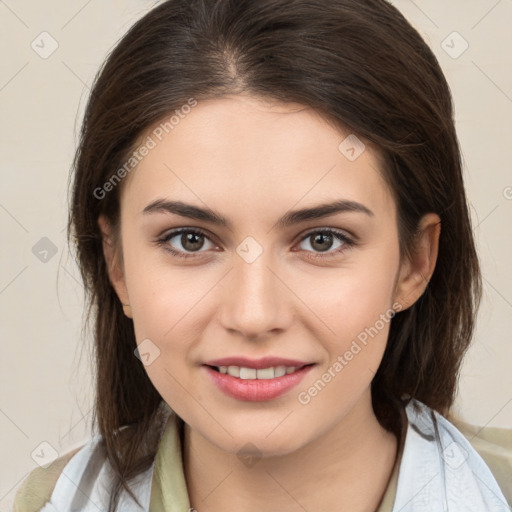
x,y
253,161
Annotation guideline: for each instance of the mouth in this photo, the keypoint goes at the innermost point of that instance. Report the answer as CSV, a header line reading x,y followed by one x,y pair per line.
x,y
248,373
256,381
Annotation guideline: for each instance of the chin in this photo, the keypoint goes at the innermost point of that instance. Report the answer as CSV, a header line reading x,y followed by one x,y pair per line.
x,y
257,441
260,448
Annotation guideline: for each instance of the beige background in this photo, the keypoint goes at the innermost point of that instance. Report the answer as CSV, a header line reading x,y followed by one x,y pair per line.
x,y
45,375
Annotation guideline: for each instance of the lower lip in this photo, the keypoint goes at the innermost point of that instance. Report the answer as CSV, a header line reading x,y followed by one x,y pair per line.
x,y
256,390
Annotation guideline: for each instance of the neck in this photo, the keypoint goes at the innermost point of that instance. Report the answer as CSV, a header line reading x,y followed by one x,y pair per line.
x,y
347,468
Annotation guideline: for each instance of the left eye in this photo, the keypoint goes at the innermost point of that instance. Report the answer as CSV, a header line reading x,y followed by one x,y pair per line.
x,y
192,240
322,240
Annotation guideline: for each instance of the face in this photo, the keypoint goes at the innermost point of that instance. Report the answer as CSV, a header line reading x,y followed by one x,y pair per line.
x,y
308,295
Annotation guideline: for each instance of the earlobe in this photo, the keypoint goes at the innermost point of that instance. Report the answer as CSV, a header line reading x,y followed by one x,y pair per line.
x,y
127,310
417,271
115,270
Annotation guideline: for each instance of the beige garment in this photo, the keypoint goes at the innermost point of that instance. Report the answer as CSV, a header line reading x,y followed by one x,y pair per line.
x,y
37,488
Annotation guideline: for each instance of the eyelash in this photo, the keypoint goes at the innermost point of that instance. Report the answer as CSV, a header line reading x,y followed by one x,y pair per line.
x,y
347,242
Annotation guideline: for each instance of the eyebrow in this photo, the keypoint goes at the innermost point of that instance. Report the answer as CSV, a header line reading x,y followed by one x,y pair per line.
x,y
288,219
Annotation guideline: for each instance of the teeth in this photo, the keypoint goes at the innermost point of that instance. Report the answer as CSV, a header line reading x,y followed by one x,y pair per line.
x,y
265,373
252,373
234,371
279,371
248,373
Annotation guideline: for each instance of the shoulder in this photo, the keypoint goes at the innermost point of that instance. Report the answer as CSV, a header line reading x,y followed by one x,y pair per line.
x,y
494,445
38,486
455,469
82,479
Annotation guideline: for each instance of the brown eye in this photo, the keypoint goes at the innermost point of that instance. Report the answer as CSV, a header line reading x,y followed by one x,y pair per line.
x,y
185,242
323,240
191,241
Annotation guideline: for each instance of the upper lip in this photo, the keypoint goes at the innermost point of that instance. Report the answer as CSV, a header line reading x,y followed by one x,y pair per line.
x,y
264,362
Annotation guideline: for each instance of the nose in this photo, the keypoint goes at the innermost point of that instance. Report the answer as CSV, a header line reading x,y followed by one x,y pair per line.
x,y
256,302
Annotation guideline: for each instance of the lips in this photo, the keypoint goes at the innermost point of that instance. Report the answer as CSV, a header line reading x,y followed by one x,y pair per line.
x,y
256,379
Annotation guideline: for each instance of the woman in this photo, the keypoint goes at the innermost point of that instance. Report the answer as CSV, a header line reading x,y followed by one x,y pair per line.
x,y
270,217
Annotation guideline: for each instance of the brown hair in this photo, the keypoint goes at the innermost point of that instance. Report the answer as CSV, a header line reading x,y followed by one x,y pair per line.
x,y
365,68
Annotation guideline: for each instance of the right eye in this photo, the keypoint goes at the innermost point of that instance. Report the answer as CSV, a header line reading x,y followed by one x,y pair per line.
x,y
191,240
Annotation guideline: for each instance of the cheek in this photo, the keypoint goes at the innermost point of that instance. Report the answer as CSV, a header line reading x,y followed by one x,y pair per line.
x,y
168,306
349,299
163,296
360,317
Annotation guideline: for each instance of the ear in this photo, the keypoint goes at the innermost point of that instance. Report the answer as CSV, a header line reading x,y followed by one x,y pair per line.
x,y
416,272
114,264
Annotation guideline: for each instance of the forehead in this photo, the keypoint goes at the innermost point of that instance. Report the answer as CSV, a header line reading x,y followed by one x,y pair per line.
x,y
246,150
